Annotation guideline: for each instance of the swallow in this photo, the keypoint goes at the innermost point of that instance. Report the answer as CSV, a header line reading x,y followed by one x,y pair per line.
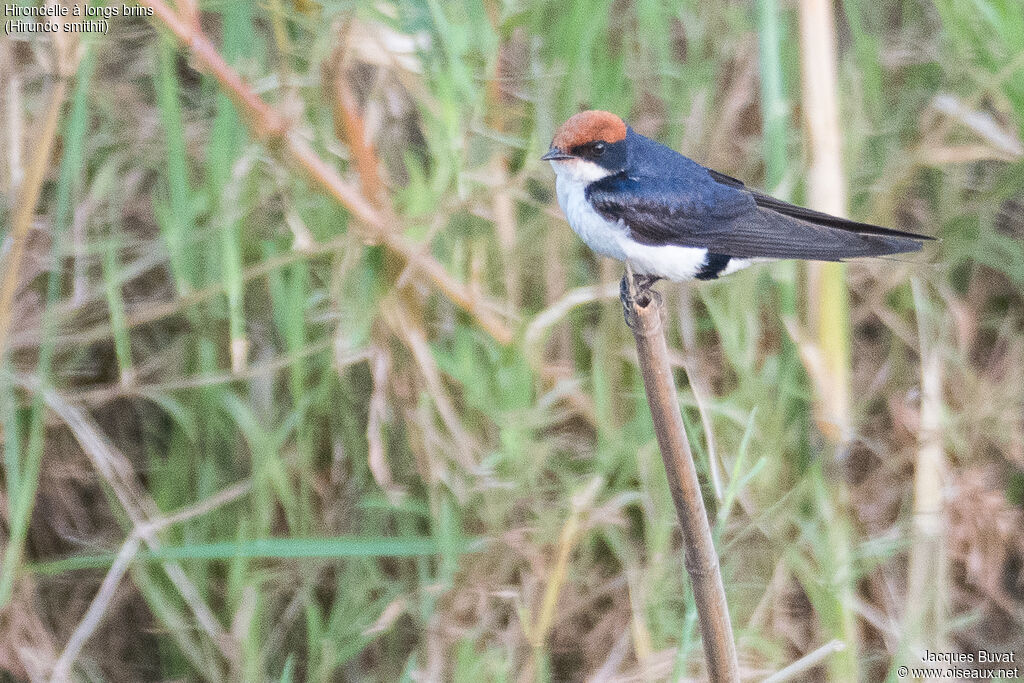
x,y
666,216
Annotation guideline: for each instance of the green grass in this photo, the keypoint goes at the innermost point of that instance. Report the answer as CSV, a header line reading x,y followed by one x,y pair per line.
x,y
210,351
266,548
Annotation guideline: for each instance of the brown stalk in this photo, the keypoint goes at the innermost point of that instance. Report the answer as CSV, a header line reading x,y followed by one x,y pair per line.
x,y
645,316
268,125
349,126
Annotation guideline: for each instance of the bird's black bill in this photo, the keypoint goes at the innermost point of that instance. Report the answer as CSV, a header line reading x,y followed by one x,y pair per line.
x,y
555,155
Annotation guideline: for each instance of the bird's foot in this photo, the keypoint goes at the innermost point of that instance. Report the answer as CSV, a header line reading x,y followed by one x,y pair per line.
x,y
635,290
643,285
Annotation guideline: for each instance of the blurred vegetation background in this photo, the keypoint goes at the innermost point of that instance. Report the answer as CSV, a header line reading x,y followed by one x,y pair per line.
x,y
245,437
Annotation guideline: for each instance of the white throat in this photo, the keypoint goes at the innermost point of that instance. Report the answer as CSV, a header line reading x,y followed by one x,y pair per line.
x,y
579,170
601,235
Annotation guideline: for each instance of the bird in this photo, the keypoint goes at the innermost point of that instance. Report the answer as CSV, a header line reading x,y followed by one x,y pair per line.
x,y
668,217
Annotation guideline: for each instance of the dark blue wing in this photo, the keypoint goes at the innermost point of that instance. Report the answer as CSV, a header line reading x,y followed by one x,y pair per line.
x,y
812,216
698,210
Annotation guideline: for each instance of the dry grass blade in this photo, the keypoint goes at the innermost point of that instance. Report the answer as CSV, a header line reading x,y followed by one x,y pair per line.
x,y
28,647
557,311
414,337
97,608
645,318
27,198
537,632
103,394
143,315
1003,143
808,661
613,661
203,507
376,417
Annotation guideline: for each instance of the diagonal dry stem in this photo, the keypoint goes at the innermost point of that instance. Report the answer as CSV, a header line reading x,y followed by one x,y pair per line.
x,y
350,126
117,471
374,225
798,669
101,601
97,608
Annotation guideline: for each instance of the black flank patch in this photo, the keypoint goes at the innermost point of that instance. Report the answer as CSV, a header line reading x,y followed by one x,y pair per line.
x,y
713,266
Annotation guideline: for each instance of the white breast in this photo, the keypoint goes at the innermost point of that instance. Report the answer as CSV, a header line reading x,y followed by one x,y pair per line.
x,y
612,239
599,234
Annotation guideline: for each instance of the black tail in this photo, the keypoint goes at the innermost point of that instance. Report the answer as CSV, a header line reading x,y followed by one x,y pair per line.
x,y
832,240
791,231
824,219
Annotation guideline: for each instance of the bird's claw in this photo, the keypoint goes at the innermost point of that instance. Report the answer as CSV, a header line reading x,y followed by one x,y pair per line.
x,y
636,292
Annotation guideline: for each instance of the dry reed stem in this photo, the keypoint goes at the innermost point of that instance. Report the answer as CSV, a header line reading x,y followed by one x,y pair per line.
x,y
645,318
826,192
21,222
828,297
926,567
269,126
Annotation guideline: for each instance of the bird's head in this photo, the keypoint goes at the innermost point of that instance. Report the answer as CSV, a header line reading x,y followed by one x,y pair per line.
x,y
589,146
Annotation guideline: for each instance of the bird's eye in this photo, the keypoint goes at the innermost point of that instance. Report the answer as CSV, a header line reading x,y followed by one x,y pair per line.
x,y
597,148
